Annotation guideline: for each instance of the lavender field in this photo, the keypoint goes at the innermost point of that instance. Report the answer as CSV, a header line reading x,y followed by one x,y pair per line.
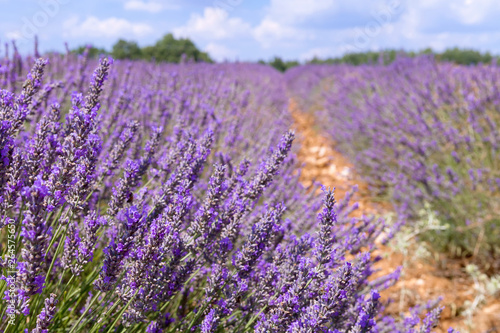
x,y
421,133
154,197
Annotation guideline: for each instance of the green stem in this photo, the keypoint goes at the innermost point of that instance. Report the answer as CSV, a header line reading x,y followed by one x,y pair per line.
x,y
121,312
53,240
254,318
85,312
99,322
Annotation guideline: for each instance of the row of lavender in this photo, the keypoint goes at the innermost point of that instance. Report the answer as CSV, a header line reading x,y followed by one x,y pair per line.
x,y
423,134
164,198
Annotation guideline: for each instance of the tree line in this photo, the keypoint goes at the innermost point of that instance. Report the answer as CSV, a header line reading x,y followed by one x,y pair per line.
x,y
170,49
167,49
455,55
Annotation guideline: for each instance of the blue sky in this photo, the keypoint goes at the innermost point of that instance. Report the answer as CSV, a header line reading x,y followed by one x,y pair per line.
x,y
257,29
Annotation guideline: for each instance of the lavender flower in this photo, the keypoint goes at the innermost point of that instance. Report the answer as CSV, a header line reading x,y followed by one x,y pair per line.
x,y
119,249
269,168
258,240
327,219
45,317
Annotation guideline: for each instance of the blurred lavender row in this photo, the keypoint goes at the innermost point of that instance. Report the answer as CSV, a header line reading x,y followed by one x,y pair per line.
x,y
422,133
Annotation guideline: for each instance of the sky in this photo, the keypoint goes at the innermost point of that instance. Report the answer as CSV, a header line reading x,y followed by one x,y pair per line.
x,y
249,30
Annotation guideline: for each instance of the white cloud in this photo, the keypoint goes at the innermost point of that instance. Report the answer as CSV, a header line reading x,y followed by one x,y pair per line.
x,y
148,6
110,27
409,23
280,21
220,52
467,12
415,27
474,11
14,35
286,24
319,52
215,23
410,29
297,10
269,32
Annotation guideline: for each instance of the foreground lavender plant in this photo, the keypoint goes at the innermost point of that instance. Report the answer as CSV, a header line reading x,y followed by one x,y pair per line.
x,y
159,201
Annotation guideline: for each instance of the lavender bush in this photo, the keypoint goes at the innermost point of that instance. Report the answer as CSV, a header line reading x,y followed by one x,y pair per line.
x,y
164,198
422,133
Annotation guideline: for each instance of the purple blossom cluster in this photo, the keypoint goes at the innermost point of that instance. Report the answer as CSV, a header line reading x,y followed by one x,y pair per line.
x,y
421,133
161,198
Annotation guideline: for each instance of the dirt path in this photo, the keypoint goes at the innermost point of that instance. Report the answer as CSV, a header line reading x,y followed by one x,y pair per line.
x,y
321,163
421,280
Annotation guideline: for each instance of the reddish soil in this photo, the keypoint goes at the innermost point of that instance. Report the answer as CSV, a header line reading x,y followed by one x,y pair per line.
x,y
422,280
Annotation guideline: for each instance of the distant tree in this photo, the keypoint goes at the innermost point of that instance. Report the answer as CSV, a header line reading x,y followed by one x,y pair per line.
x,y
315,60
93,52
126,50
282,65
427,51
278,63
465,56
292,63
360,58
169,49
